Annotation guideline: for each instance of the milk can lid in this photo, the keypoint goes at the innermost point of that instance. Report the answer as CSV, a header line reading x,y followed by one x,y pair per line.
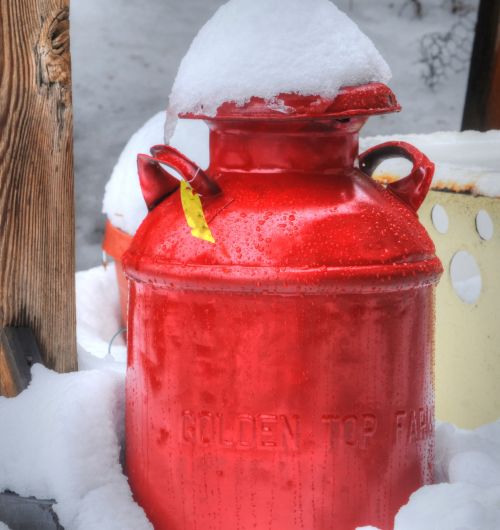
x,y
362,100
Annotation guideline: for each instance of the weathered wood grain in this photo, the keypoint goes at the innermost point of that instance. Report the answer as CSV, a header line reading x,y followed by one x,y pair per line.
x,y
482,103
36,176
494,101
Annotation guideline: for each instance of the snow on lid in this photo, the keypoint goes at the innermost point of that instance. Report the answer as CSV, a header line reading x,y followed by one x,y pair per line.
x,y
467,162
267,47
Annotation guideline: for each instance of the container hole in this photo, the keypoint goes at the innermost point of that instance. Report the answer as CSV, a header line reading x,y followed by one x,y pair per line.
x,y
484,225
440,219
466,277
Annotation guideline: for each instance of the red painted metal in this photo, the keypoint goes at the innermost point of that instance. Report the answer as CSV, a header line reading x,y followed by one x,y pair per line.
x,y
414,188
281,378
157,184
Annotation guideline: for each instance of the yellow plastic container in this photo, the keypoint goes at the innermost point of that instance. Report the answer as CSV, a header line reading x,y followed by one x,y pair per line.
x,y
467,307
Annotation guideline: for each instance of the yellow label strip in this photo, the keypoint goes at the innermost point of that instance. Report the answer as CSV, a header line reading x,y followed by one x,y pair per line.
x,y
193,210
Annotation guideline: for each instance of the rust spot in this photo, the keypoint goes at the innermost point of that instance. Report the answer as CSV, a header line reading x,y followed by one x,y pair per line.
x,y
448,185
454,187
385,178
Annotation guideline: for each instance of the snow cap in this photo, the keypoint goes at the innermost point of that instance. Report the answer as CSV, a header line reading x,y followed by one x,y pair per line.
x,y
264,48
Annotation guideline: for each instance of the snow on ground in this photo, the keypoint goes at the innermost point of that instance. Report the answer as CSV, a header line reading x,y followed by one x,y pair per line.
x,y
126,55
467,493
267,47
98,319
63,443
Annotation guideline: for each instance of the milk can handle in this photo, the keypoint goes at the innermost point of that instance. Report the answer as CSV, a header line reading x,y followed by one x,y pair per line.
x,y
157,183
412,189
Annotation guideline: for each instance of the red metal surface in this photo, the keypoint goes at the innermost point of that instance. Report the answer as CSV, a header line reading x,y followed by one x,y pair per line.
x,y
281,378
363,100
414,188
157,184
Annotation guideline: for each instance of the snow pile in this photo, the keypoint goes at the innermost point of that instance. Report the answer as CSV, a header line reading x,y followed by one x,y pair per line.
x,y
98,319
465,161
468,497
63,443
267,47
123,203
122,197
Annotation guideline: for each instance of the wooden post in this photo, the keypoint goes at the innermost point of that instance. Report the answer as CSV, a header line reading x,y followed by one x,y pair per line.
x,y
494,100
36,177
482,104
18,352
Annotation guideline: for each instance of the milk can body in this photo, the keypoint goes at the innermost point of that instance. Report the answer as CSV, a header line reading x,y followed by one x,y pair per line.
x,y
281,377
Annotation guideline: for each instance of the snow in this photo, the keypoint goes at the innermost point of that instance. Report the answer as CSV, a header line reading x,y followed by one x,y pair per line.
x,y
267,47
98,319
467,495
63,443
3,526
123,203
466,148
457,506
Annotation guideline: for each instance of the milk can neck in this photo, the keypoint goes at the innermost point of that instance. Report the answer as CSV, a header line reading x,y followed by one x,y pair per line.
x,y
274,146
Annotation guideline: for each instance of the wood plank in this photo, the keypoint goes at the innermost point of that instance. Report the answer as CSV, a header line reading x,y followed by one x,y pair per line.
x,y
36,177
494,102
18,352
482,103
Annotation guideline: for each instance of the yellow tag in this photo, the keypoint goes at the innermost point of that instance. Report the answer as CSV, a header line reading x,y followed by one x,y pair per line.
x,y
193,210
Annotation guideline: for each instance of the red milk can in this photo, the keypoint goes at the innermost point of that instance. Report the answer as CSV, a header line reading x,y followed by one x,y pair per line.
x,y
281,378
